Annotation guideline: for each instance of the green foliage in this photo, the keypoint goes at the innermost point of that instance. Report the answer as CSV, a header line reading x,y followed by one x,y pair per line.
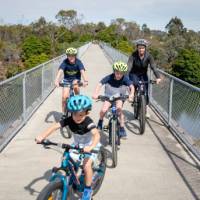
x,y
107,35
35,60
187,66
23,47
85,38
175,27
33,46
125,47
13,70
68,18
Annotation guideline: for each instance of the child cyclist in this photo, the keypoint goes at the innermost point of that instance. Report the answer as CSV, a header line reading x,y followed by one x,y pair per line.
x,y
72,69
115,83
85,135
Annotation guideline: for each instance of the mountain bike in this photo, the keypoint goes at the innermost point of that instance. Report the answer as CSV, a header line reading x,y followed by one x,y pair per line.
x,y
113,124
74,90
68,179
139,104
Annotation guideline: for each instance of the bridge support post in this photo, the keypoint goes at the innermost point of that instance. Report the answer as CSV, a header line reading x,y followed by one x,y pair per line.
x,y
150,86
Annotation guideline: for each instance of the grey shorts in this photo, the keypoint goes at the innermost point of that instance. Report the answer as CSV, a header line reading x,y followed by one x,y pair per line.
x,y
110,91
75,156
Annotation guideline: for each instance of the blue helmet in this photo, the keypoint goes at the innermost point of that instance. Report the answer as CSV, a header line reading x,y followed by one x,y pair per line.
x,y
79,103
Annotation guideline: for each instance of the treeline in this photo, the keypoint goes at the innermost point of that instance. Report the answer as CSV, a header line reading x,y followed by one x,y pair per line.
x,y
177,50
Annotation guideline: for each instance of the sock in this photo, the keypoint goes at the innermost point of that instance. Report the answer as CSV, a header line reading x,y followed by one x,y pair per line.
x,y
88,187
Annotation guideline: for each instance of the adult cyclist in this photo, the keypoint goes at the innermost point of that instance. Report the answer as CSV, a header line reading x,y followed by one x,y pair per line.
x,y
138,64
72,68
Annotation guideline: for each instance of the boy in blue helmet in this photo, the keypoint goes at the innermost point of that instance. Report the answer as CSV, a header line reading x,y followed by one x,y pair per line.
x,y
85,134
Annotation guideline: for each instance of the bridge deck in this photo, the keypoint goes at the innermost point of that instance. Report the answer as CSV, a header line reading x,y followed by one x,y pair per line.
x,y
153,166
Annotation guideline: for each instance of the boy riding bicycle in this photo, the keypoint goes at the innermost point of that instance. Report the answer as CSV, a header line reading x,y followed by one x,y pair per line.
x,y
72,69
85,135
115,83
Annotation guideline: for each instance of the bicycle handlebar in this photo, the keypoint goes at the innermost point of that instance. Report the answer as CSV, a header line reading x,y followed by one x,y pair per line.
x,y
67,147
63,84
112,98
150,81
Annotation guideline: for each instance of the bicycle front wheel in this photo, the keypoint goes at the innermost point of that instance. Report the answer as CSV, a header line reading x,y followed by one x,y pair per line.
x,y
102,159
113,130
53,191
141,116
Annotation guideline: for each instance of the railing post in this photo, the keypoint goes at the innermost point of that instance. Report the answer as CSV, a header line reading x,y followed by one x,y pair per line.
x,y
42,81
170,101
24,97
150,86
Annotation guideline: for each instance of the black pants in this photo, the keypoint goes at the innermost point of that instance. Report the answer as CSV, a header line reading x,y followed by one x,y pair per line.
x,y
135,80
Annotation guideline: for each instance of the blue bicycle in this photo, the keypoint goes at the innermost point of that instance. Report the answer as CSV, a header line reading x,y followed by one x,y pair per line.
x,y
68,179
74,90
113,124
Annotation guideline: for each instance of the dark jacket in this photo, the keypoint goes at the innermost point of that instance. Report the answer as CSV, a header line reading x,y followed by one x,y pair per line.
x,y
139,67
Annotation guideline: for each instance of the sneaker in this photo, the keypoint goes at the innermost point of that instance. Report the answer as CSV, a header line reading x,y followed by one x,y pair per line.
x,y
87,194
100,124
122,133
147,112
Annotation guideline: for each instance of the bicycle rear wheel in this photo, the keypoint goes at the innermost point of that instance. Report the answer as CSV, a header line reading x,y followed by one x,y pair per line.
x,y
141,114
136,106
102,159
66,132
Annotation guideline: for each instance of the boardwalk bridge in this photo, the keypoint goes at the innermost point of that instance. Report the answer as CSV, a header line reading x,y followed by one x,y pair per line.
x,y
162,164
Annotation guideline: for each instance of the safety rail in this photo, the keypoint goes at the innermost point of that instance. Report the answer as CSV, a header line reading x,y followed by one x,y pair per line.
x,y
176,101
22,94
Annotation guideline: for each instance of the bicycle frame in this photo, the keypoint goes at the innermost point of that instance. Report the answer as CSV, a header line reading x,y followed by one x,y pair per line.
x,y
70,167
71,86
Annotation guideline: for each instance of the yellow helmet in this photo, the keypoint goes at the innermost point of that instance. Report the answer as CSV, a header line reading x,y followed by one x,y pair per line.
x,y
71,51
120,66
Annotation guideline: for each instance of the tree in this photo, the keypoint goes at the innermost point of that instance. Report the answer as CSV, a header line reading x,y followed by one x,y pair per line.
x,y
175,27
145,30
35,46
132,30
100,26
35,60
68,18
187,66
125,47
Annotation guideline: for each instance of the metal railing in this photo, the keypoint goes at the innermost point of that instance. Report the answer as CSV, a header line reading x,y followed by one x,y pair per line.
x,y
175,100
22,94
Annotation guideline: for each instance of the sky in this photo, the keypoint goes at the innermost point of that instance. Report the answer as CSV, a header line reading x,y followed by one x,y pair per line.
x,y
155,13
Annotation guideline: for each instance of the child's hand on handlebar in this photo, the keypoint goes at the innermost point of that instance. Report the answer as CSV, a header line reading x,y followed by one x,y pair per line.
x,y
130,98
85,83
87,149
158,80
39,139
95,97
56,83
